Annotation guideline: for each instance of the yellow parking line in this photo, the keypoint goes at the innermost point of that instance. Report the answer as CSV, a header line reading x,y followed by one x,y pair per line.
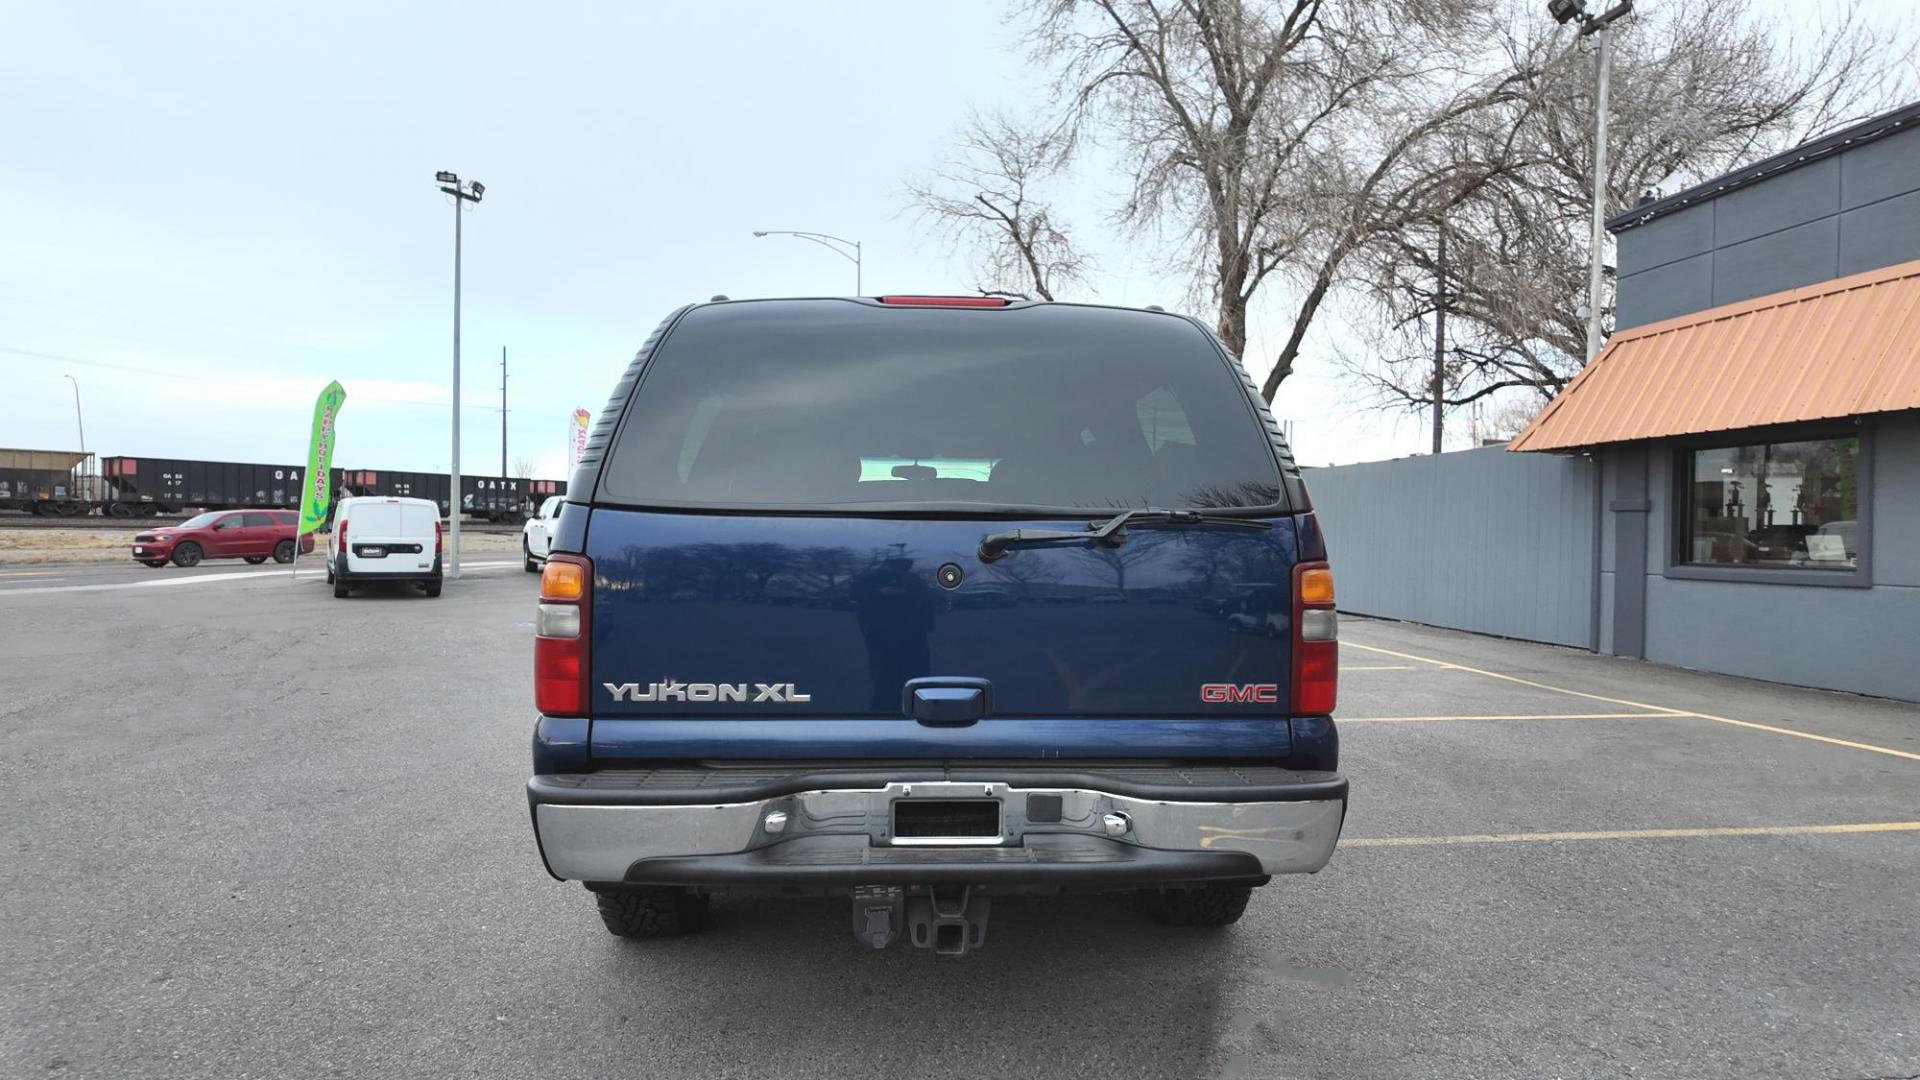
x,y
1513,679
1345,720
1630,834
1830,740
1848,743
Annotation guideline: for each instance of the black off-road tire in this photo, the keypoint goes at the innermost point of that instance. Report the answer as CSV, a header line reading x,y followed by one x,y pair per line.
x,y
256,560
282,552
1211,905
187,554
652,912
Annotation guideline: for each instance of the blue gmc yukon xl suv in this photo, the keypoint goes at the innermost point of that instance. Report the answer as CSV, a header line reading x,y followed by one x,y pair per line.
x,y
924,601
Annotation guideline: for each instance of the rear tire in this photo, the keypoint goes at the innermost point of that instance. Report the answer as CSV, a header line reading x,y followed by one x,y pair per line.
x,y
282,552
526,553
432,587
1210,905
652,912
339,589
256,560
187,554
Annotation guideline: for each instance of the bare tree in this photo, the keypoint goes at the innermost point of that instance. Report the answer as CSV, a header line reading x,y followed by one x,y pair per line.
x,y
1698,89
988,200
523,466
1277,138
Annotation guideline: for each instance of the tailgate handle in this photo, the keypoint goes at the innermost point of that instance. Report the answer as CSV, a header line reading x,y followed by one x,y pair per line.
x,y
948,701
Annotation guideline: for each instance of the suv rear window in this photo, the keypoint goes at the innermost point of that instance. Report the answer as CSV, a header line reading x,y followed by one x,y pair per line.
x,y
844,405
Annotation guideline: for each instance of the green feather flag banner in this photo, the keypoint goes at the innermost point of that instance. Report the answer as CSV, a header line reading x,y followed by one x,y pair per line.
x,y
317,497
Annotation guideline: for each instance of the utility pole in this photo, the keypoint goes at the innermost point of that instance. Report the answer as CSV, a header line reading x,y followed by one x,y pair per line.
x,y
1439,331
1602,60
503,412
462,193
1596,26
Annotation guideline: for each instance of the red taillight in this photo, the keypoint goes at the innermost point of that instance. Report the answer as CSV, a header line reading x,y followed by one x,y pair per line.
x,y
561,635
945,301
1316,644
436,538
340,534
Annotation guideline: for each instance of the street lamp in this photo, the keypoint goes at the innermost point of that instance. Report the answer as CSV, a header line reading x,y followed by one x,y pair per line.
x,y
832,243
462,193
1563,12
77,418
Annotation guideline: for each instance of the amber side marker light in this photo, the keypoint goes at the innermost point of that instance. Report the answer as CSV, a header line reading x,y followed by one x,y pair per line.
x,y
1316,585
563,581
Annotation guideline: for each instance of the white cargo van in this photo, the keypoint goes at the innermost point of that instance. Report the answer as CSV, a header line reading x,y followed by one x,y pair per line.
x,y
380,538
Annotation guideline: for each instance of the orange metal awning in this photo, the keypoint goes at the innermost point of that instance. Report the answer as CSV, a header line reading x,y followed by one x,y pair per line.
x,y
1845,347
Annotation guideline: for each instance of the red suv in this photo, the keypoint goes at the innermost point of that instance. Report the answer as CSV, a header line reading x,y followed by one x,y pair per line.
x,y
253,535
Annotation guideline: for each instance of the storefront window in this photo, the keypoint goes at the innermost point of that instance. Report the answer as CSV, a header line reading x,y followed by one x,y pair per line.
x,y
1784,504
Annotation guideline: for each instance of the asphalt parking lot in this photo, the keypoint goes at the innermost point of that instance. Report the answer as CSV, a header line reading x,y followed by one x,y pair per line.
x,y
254,831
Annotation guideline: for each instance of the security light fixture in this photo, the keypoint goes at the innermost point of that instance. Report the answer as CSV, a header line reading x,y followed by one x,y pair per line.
x,y
450,178
479,189
1566,11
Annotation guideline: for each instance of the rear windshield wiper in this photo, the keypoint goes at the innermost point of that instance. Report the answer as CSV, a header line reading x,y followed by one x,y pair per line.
x,y
1110,531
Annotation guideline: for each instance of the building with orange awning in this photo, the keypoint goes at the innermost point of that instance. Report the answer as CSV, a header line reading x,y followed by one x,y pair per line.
x,y
1755,420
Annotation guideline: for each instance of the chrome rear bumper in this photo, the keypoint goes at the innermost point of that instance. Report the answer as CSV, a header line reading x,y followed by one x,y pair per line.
x,y
849,834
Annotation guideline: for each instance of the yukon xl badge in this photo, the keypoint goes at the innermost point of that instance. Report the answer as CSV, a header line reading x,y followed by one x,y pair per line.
x,y
706,691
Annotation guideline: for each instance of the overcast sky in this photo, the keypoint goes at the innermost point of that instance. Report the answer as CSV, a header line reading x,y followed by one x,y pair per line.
x,y
208,210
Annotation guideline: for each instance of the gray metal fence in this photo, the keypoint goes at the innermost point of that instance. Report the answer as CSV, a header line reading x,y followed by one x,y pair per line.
x,y
1479,540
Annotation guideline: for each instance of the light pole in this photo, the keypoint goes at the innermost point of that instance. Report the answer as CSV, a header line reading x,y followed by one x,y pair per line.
x,y
832,243
1565,11
1439,331
77,418
462,193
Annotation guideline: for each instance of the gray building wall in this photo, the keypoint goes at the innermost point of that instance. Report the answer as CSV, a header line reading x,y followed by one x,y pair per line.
x,y
1479,540
1858,209
1578,550
1865,640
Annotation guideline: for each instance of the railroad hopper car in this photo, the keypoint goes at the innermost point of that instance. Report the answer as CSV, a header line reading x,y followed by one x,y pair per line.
x,y
47,482
398,483
492,498
145,486
65,483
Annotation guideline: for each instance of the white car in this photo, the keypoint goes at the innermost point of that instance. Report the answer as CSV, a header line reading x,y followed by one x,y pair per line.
x,y
536,536
382,538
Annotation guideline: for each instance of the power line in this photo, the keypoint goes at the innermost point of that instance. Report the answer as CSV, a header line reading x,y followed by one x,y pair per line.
x,y
211,381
